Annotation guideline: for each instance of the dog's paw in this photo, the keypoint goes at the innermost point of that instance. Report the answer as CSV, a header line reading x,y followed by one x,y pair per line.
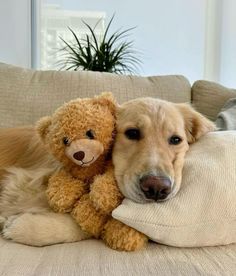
x,y
10,227
42,229
23,229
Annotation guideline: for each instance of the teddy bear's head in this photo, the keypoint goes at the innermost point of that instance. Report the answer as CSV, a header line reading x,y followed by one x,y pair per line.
x,y
80,131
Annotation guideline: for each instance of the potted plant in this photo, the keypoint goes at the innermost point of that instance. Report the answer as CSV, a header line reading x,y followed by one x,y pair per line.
x,y
109,53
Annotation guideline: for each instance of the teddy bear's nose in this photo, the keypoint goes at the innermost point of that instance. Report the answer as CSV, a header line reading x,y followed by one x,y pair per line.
x,y
79,155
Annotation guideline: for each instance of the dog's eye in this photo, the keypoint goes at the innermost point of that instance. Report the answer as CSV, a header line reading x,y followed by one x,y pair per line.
x,y
133,134
175,140
90,134
66,141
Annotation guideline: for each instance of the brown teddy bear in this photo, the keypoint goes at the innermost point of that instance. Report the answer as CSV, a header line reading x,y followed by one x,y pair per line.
x,y
93,213
80,135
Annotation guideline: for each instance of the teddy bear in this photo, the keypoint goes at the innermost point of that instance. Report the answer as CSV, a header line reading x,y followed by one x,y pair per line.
x,y
93,214
81,142
80,135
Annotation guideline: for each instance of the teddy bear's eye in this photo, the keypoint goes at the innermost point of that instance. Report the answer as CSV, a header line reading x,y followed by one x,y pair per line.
x,y
90,134
66,141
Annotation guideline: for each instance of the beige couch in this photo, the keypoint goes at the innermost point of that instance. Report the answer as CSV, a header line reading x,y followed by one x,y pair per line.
x,y
27,95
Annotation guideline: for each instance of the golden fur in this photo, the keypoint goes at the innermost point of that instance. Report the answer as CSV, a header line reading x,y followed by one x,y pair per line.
x,y
25,214
68,188
25,166
157,121
93,214
23,203
21,147
71,123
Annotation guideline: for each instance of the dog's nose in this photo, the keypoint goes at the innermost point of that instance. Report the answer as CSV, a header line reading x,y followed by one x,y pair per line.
x,y
155,187
79,155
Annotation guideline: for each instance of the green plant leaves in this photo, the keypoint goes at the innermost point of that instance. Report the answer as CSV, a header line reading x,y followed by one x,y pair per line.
x,y
107,54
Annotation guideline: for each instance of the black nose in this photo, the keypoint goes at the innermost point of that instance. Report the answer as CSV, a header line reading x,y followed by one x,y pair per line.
x,y
79,155
155,187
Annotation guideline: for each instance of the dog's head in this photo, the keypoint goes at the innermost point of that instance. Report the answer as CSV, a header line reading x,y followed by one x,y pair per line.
x,y
152,139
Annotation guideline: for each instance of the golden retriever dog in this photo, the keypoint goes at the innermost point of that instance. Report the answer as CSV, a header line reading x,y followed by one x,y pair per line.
x,y
25,216
152,139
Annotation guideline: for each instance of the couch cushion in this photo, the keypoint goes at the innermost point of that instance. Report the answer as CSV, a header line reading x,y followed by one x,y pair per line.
x,y
94,258
27,95
203,213
209,97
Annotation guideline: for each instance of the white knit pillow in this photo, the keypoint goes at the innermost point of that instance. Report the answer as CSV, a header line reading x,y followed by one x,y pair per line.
x,y
203,213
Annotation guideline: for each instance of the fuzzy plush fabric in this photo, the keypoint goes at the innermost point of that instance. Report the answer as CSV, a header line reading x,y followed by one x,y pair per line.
x,y
71,122
64,190
93,214
80,135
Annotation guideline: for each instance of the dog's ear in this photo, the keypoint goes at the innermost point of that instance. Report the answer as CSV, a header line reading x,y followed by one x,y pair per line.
x,y
42,127
107,99
196,124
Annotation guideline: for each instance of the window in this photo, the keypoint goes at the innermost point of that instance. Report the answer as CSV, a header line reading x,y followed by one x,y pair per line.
x,y
194,38
53,23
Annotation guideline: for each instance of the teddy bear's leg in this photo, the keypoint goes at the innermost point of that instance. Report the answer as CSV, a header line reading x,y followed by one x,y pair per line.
x,y
42,229
122,237
88,218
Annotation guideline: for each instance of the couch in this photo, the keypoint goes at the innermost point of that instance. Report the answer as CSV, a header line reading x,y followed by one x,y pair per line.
x,y
26,95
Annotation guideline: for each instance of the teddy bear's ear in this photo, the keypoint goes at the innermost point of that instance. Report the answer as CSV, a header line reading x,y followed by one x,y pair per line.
x,y
107,99
42,126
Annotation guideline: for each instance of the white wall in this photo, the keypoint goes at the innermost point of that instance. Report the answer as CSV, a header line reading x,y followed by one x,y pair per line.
x,y
15,32
213,40
170,33
228,44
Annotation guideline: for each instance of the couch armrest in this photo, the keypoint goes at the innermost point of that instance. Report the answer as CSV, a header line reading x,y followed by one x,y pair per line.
x,y
209,97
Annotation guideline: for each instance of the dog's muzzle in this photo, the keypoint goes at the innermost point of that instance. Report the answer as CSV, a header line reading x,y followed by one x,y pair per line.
x,y
155,187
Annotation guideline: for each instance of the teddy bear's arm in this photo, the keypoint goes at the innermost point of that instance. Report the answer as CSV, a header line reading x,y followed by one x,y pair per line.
x,y
89,219
104,193
63,191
